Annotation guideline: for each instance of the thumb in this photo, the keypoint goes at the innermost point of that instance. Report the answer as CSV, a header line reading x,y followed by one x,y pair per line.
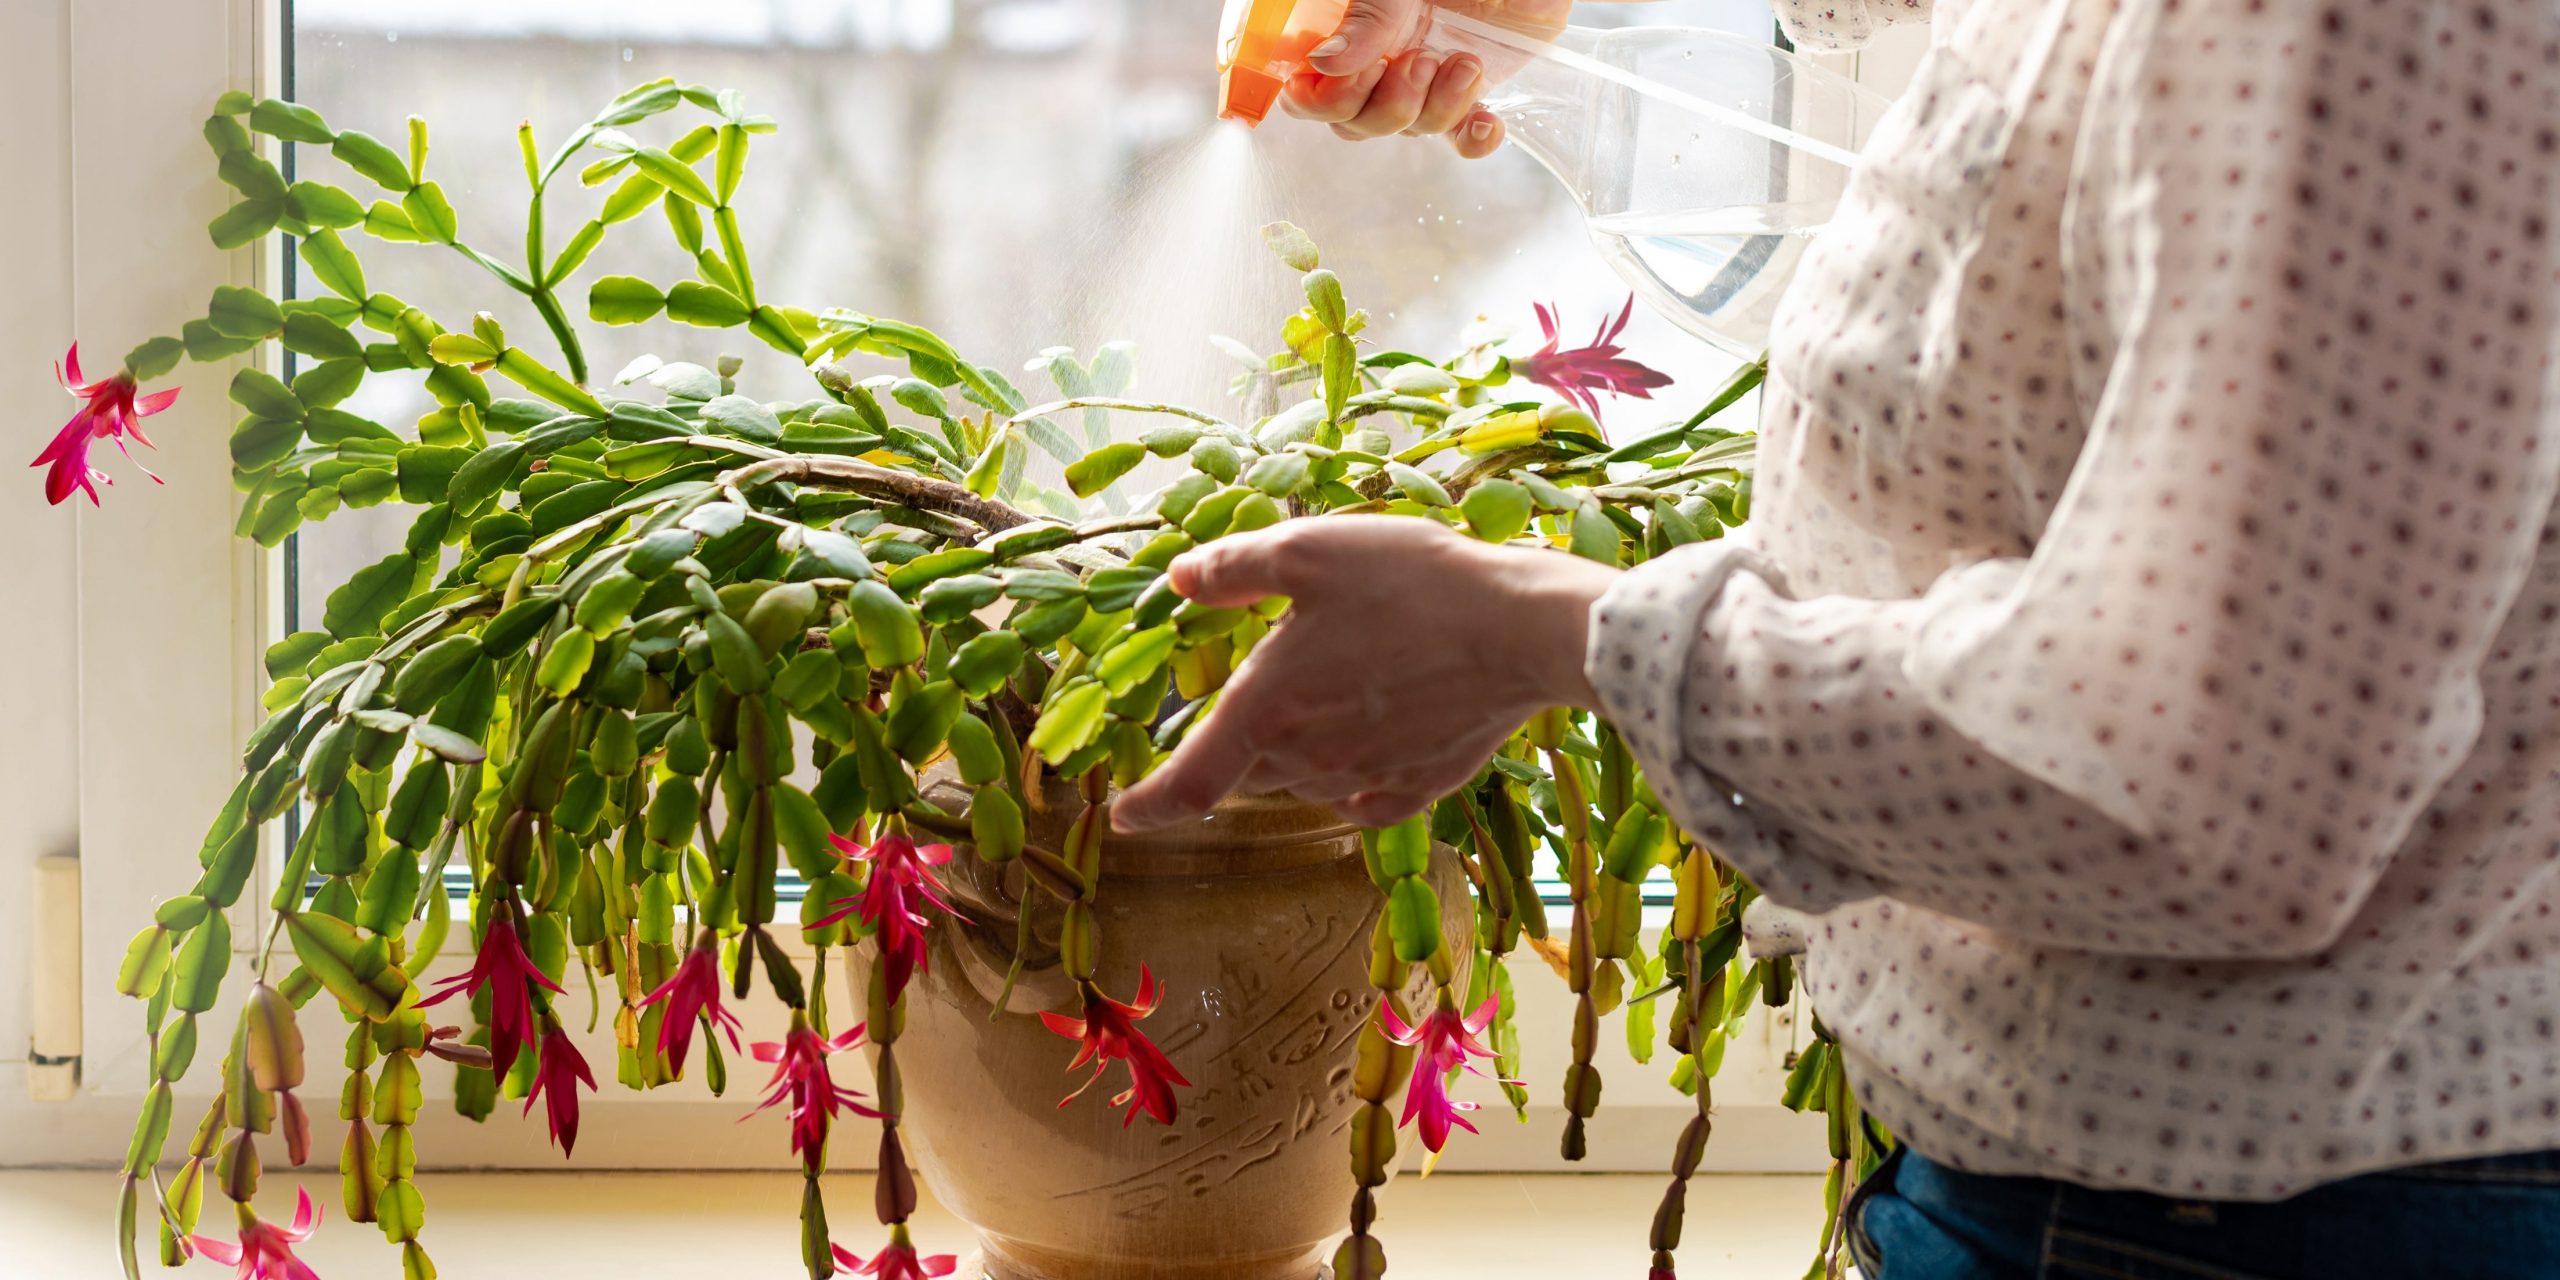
x,y
1239,570
1371,32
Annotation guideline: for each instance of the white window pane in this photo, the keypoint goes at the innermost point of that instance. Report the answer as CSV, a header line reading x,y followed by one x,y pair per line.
x,y
1012,173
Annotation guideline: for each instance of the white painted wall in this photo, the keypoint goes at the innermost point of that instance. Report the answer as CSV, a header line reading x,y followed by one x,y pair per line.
x,y
128,630
37,777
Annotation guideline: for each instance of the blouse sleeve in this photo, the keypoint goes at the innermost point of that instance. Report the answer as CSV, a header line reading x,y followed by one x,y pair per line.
x,y
2200,717
1835,26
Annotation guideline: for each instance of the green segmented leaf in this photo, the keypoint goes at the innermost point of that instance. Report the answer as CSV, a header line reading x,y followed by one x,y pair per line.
x,y
150,1131
1324,297
290,122
1413,918
358,974
1070,720
1155,605
981,666
974,751
430,215
307,333
1278,474
386,221
1113,590
921,720
574,254
913,576
1041,586
951,599
1048,620
201,962
891,634
1136,659
292,655
146,962
675,175
743,417
735,654
1497,510
1633,846
833,555
1402,850
447,744
357,607
1294,246
707,306
996,823
1095,471
1417,485
154,358
323,385
624,300
481,476
367,155
323,206
245,223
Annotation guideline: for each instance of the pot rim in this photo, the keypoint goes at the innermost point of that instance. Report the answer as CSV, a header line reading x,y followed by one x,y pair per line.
x,y
1243,835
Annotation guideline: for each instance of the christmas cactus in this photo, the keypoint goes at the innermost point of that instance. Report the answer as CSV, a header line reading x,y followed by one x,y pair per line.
x,y
657,652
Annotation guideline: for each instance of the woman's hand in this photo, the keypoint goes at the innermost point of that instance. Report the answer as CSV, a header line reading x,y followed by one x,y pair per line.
x,y
1371,80
1409,653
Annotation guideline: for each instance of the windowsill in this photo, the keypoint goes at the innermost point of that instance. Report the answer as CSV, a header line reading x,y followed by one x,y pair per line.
x,y
638,1226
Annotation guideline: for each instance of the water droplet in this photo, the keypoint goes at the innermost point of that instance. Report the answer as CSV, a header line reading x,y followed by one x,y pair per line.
x,y
392,37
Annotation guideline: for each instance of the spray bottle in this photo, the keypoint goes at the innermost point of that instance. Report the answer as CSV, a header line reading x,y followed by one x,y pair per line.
x,y
1701,161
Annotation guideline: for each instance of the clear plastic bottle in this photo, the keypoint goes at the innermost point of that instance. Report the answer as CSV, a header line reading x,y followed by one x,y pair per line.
x,y
1702,161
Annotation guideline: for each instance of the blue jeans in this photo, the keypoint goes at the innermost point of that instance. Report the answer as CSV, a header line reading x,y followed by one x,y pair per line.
x,y
2498,1219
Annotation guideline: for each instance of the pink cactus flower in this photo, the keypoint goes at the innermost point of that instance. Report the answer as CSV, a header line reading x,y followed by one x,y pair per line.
x,y
264,1250
901,882
112,412
555,1083
800,1077
693,992
1444,1042
1110,1033
897,1262
508,975
1580,374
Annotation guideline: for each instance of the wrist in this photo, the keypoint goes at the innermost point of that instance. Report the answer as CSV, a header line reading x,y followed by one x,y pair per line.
x,y
1552,593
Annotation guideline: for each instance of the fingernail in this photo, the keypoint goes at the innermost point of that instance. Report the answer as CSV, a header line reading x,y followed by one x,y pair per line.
x,y
1481,131
1421,69
1329,48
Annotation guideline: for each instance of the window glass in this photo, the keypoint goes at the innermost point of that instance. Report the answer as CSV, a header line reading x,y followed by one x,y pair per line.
x,y
1015,174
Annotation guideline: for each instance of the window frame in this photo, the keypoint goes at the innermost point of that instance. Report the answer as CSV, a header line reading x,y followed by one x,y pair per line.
x,y
147,617
153,727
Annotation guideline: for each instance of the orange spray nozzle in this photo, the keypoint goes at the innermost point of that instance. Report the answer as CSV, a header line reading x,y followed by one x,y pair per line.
x,y
1261,44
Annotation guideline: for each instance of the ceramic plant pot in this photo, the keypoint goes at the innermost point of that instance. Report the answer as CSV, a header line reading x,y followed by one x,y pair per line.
x,y
1257,924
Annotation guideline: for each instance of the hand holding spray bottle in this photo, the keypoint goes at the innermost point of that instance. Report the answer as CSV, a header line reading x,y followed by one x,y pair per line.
x,y
1701,160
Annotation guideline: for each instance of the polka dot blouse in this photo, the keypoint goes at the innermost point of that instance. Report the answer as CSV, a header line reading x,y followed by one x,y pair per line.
x,y
2144,659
